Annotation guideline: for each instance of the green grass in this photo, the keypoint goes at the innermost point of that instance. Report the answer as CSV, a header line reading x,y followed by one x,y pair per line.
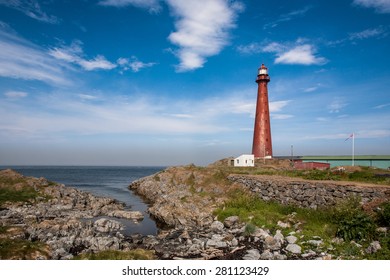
x,y
3,229
9,194
267,214
137,254
365,175
346,220
21,249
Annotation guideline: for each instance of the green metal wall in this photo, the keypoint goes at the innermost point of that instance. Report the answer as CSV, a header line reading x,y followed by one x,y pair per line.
x,y
362,162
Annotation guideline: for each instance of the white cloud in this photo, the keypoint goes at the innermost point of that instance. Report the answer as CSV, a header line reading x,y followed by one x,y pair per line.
x,y
20,59
277,106
153,6
367,33
99,62
251,48
16,94
336,105
287,17
304,54
30,8
310,89
74,54
382,106
382,6
84,96
134,64
286,53
202,29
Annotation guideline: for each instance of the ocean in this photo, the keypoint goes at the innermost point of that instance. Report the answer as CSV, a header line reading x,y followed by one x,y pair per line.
x,y
107,181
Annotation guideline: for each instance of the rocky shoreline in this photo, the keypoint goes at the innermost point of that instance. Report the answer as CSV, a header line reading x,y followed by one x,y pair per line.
x,y
72,222
67,220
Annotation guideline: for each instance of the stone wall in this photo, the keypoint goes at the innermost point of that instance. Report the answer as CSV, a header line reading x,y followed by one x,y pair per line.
x,y
305,193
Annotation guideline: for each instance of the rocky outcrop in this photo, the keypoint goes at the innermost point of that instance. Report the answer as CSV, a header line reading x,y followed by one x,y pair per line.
x,y
307,193
229,240
70,221
184,196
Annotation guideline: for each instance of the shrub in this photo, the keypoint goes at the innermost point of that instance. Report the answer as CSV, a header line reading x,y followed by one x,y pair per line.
x,y
352,222
384,214
138,254
249,229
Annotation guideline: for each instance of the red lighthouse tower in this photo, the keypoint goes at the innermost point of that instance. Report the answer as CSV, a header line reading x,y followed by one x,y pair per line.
x,y
262,143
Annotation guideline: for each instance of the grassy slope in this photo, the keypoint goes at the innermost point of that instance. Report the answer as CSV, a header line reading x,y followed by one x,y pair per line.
x,y
327,223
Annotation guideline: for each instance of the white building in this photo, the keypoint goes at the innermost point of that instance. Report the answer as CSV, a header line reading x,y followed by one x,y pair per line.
x,y
245,160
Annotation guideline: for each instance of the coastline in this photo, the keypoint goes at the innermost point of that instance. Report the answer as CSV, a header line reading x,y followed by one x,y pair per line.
x,y
70,222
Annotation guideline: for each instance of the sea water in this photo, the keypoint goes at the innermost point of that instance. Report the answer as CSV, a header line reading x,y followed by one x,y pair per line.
x,y
106,181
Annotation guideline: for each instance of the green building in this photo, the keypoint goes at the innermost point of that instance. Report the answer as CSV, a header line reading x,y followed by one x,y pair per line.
x,y
372,161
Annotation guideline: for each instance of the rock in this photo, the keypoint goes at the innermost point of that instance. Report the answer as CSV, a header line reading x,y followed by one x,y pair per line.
x,y
266,255
279,236
374,247
283,225
309,254
231,221
106,225
294,248
259,232
253,254
217,226
381,229
337,240
271,243
315,242
131,215
291,239
216,241
356,244
278,256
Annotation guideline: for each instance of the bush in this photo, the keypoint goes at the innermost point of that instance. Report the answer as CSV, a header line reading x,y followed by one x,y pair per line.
x,y
384,214
352,222
249,229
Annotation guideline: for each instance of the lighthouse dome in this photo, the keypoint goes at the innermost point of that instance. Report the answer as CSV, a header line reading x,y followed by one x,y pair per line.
x,y
263,70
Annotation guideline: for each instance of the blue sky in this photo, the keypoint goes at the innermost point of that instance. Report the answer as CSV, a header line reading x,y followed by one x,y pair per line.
x,y
166,82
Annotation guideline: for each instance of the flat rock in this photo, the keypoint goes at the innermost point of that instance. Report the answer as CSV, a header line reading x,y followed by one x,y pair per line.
x,y
294,248
130,215
291,239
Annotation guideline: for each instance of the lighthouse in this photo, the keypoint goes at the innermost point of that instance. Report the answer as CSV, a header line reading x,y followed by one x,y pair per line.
x,y
262,143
